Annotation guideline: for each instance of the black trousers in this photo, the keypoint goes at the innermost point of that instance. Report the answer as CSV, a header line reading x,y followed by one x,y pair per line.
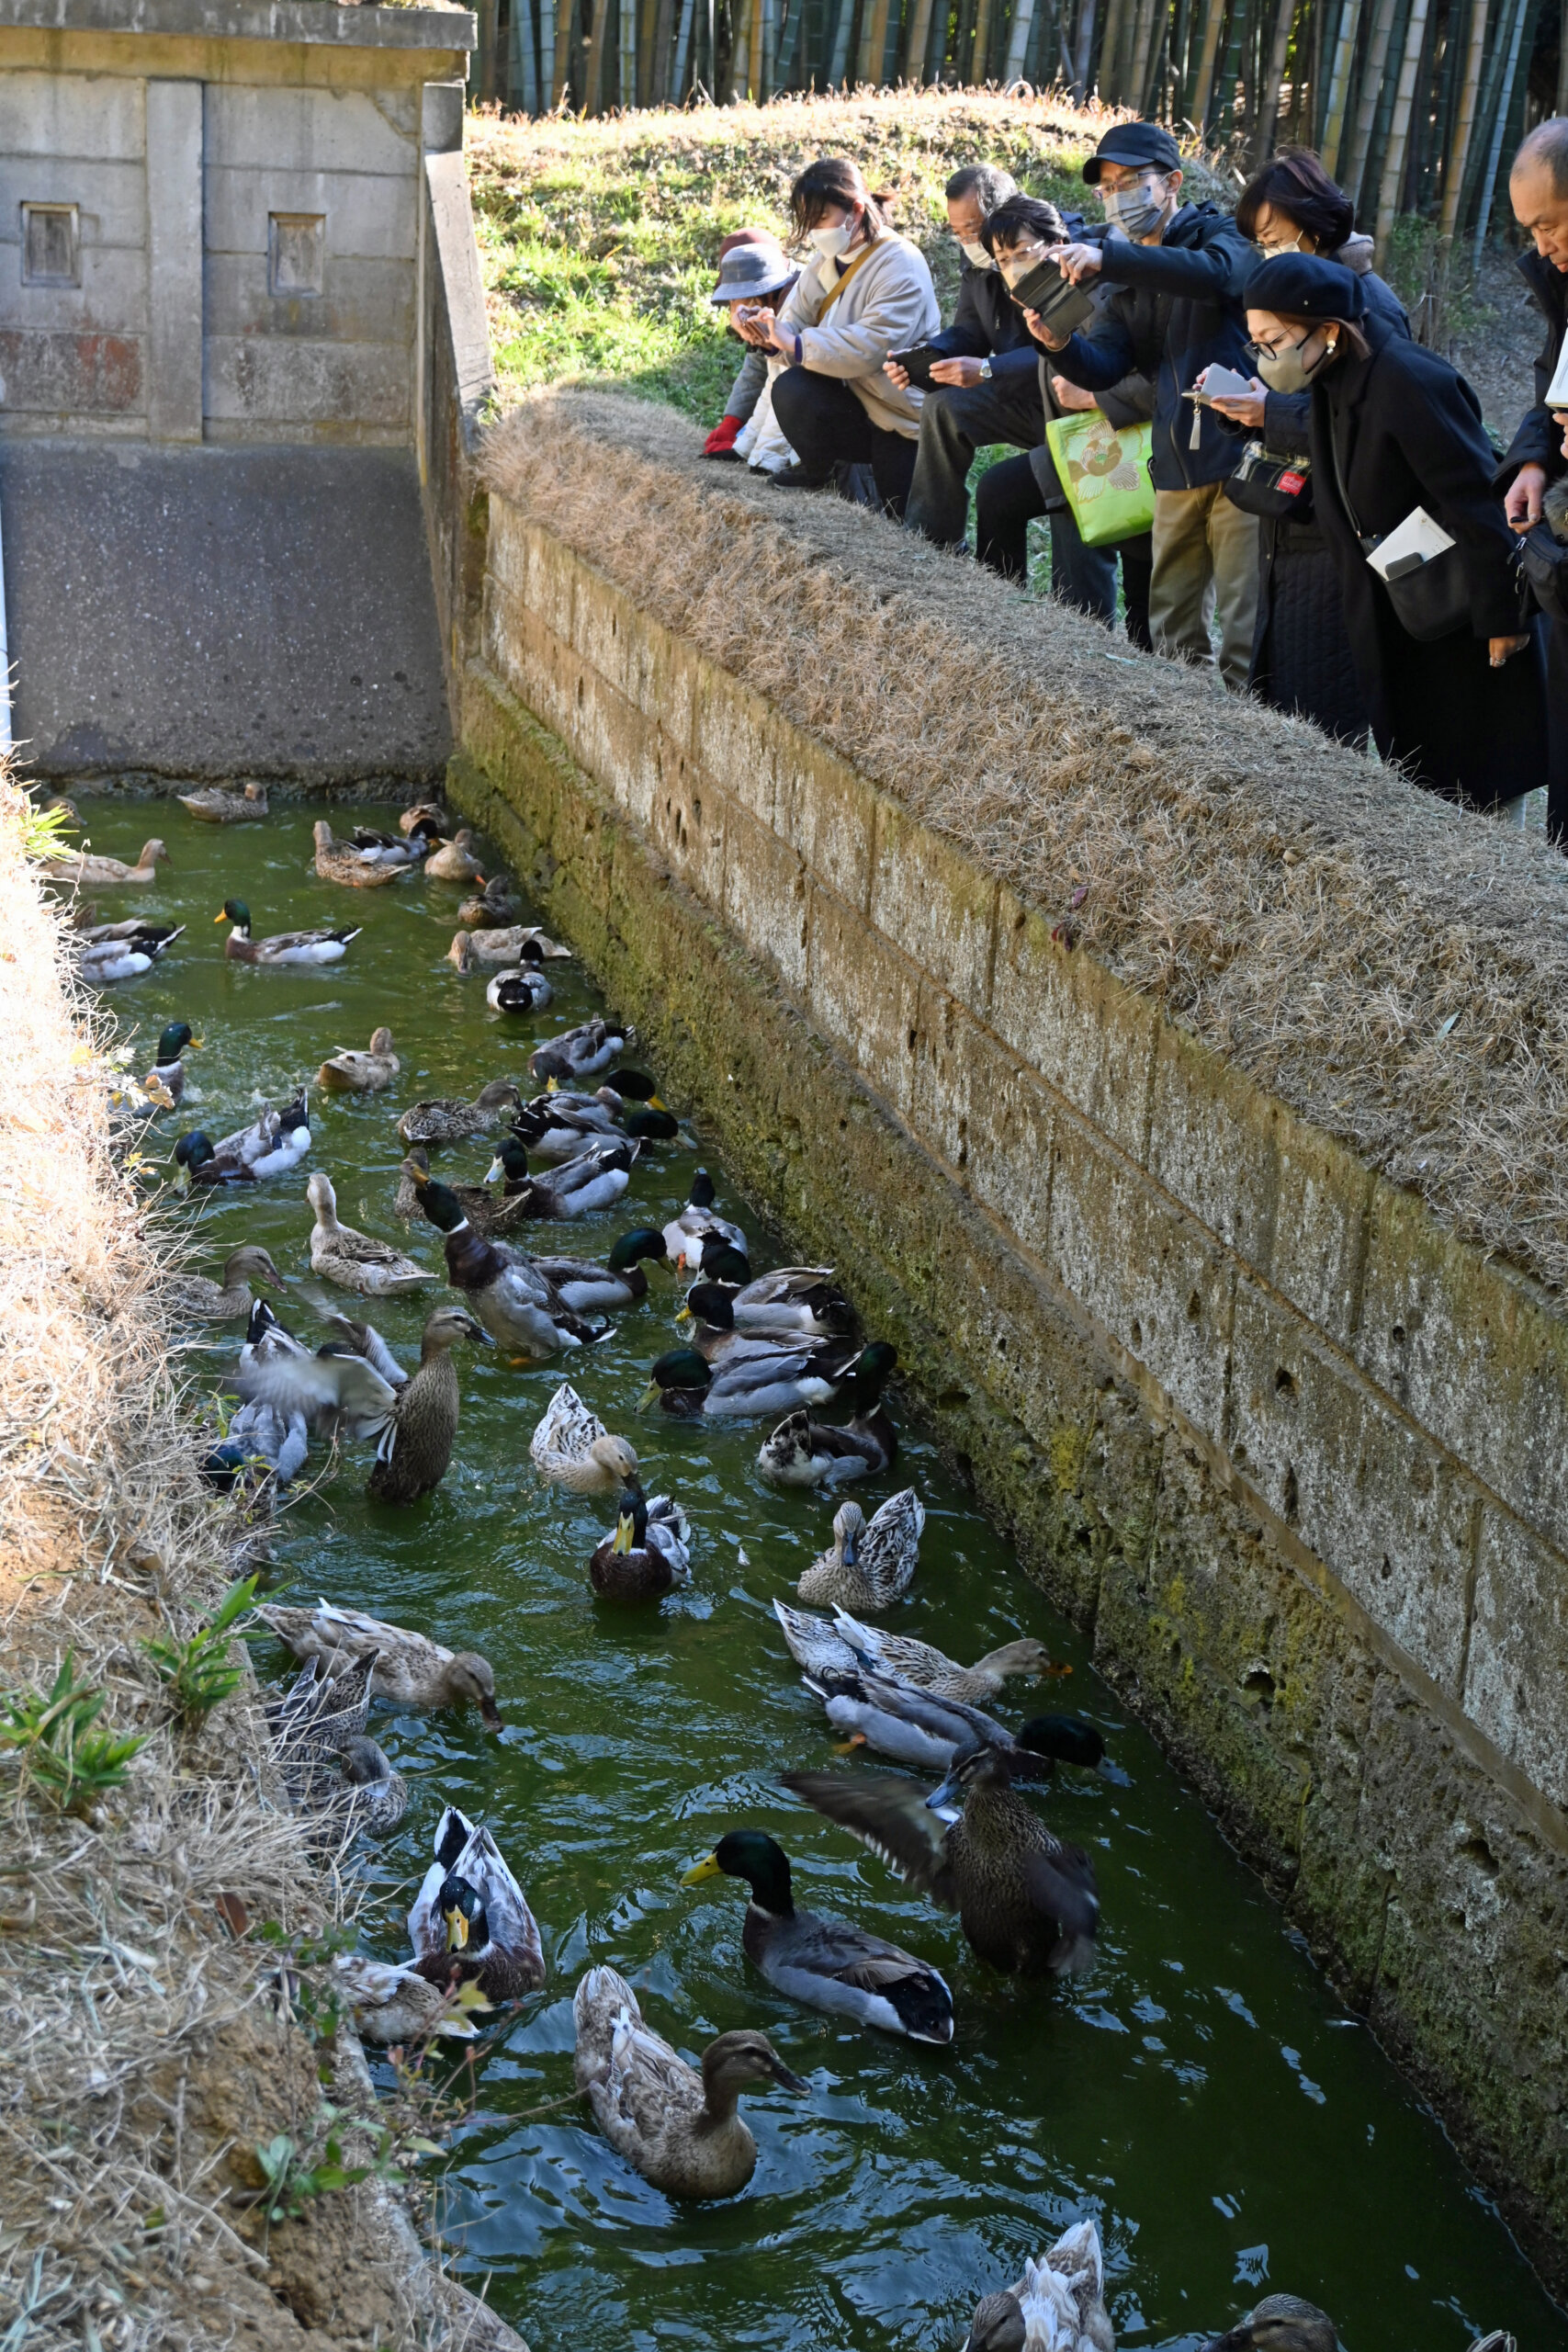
x,y
1010,498
826,426
1556,729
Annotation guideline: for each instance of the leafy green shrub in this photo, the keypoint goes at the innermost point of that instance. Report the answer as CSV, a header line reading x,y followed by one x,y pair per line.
x,y
196,1671
53,1733
294,2177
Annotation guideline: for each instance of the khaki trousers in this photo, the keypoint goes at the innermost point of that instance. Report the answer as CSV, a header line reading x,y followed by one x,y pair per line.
x,y
1205,566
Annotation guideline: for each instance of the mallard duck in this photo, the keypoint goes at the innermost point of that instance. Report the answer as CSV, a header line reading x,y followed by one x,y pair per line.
x,y
574,1188
217,806
416,1445
470,1920
572,1448
495,906
373,1797
259,1441
767,1376
578,1053
521,990
370,868
455,860
511,946
357,1338
354,1260
678,2127
916,1728
558,1123
791,1301
489,1213
506,1290
322,1708
591,1288
410,845
347,1072
1026,1901
168,1070
337,1391
196,1297
872,1564
274,1142
116,952
90,873
282,947
716,1331
846,1646
391,2003
826,1962
803,1453
648,1553
410,1670
425,813
1286,2323
686,1234
449,1120
1059,2306
265,1336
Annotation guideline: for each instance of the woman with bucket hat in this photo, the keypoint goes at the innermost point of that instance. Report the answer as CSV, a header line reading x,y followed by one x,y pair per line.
x,y
1173,275
754,276
1402,489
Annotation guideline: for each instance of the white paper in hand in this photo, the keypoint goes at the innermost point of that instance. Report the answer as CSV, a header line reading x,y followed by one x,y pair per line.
x,y
1409,545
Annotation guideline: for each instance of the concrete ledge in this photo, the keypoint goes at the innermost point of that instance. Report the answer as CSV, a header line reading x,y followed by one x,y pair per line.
x,y
1285,1441
317,22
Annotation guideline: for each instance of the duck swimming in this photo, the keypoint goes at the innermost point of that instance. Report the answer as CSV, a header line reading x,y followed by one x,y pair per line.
x,y
348,1072
766,1377
594,1180
1057,2306
471,1919
391,2003
283,947
826,1962
844,1646
513,944
572,1448
409,1670
678,2127
116,952
495,906
591,1288
271,1146
368,865
505,1290
91,873
450,1120
578,1053
803,1453
648,1553
487,1212
168,1070
1026,1901
524,988
356,1261
558,1123
455,860
871,1565
217,806
686,1234
415,1447
231,1300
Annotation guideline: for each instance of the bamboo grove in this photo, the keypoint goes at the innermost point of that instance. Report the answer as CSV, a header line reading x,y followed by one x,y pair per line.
x,y
1416,104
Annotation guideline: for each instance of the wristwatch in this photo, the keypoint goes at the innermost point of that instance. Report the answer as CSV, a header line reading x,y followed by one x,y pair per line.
x,y
984,371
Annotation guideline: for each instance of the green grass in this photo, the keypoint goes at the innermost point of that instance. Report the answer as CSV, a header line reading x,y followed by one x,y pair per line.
x,y
599,238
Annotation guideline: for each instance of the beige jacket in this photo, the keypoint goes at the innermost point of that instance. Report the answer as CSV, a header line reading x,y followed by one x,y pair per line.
x,y
888,305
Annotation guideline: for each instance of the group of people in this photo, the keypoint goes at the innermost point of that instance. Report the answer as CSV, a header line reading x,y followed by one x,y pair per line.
x,y
1309,499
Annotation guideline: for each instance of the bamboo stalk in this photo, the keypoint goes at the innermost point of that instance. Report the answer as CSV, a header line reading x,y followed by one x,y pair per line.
x,y
1018,39
919,42
627,13
1137,79
1083,56
1372,91
767,81
1273,80
1343,58
1562,106
1203,91
980,54
841,45
1499,125
873,41
525,75
683,51
1399,128
1464,125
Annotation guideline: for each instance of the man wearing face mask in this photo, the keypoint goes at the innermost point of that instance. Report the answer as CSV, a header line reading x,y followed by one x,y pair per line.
x,y
1175,272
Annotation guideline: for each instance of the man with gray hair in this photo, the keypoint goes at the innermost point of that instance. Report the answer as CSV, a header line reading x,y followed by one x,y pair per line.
x,y
984,382
1538,189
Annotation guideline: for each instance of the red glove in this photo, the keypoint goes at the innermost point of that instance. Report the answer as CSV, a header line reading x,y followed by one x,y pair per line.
x,y
720,442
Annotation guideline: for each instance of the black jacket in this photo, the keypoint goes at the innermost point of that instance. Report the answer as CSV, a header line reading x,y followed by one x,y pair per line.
x,y
1408,433
1175,307
986,323
1539,441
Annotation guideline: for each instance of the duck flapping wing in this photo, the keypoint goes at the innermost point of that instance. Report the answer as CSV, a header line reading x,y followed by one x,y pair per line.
x,y
890,1816
325,1389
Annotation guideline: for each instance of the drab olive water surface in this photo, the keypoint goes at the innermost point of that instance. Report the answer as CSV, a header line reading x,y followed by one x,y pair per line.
x,y
1200,2092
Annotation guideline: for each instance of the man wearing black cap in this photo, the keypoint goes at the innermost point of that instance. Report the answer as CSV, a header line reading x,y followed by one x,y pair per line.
x,y
1175,271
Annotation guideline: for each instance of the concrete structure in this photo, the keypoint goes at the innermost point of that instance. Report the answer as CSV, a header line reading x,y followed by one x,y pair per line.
x,y
1291,1447
218,234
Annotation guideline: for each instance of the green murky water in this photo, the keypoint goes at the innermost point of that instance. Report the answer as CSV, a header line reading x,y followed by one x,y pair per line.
x,y
1200,2092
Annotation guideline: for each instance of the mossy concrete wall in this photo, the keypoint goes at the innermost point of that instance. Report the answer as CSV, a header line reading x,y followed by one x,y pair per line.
x,y
1295,1453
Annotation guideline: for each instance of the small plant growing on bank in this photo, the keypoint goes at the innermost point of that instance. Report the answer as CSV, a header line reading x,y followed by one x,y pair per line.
x,y
54,1734
195,1672
294,2177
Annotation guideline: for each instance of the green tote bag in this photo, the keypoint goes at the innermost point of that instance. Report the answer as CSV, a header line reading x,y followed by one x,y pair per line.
x,y
1104,472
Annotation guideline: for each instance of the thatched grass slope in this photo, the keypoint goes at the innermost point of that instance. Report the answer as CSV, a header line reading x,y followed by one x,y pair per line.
x,y
1394,968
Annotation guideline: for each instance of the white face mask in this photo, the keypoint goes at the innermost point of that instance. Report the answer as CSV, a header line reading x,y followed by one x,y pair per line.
x,y
1019,261
831,243
1281,246
976,255
1136,211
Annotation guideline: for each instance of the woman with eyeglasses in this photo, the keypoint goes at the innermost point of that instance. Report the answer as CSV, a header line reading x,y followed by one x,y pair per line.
x,y
865,293
1300,655
1451,682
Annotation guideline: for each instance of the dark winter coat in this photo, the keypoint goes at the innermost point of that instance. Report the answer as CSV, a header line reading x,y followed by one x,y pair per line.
x,y
986,323
1300,653
1539,441
1408,433
1175,308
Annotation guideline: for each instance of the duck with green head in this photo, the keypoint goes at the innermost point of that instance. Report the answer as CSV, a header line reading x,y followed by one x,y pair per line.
x,y
281,946
505,1291
594,1180
471,1923
828,1963
590,1287
765,1377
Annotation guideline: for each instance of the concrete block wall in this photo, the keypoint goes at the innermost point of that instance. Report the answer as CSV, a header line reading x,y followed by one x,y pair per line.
x,y
247,194
1295,1451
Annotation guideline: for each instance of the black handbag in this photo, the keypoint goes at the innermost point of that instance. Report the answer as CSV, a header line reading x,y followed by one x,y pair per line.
x,y
1543,560
1430,600
1274,488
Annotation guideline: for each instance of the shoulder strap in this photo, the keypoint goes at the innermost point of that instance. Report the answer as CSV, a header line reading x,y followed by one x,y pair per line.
x,y
1339,480
859,263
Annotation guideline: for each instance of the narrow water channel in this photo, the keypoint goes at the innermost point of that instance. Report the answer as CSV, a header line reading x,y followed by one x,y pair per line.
x,y
1200,2092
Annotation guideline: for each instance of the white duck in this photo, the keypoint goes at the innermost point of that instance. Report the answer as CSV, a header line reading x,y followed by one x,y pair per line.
x,y
572,1448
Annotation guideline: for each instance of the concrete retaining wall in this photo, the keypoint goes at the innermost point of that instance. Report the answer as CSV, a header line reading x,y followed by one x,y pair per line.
x,y
1294,1452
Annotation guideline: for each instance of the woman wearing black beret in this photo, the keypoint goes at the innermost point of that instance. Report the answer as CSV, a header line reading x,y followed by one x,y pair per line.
x,y
1451,681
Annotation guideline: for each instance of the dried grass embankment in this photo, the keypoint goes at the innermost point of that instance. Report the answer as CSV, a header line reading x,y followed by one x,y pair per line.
x,y
146,2051
1394,970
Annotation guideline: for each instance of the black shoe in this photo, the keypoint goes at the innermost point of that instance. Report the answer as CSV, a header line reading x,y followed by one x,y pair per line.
x,y
797,478
722,457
